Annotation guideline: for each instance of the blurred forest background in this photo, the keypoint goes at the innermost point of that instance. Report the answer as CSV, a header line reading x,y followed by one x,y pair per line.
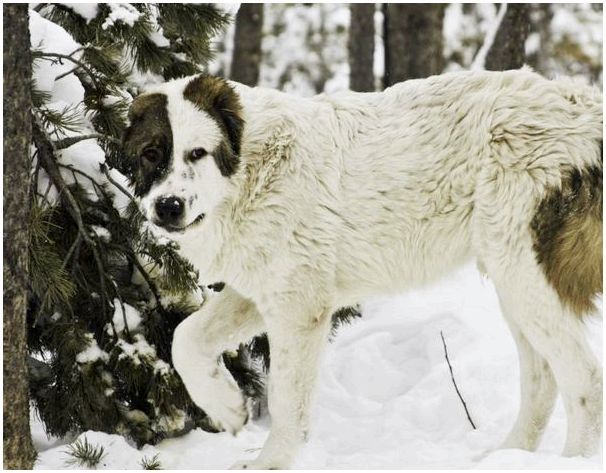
x,y
91,299
314,48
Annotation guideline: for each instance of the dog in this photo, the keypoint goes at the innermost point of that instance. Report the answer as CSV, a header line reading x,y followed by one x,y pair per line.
x,y
305,205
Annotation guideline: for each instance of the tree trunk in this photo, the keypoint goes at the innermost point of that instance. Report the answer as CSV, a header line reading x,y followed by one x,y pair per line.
x,y
19,451
246,62
361,47
507,50
413,41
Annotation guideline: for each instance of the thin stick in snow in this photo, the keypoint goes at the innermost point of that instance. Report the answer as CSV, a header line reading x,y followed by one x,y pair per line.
x,y
479,61
455,383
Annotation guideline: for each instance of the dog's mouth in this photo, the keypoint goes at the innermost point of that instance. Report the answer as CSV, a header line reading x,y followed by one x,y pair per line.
x,y
174,229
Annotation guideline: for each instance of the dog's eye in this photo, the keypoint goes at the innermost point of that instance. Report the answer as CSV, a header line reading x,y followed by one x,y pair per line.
x,y
151,155
198,153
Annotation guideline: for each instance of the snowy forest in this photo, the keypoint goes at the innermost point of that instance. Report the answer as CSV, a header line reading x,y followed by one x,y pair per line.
x,y
92,298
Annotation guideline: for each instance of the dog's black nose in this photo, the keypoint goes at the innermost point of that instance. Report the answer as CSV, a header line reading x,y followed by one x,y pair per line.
x,y
169,210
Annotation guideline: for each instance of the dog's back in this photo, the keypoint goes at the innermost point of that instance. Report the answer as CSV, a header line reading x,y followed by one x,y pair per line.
x,y
429,165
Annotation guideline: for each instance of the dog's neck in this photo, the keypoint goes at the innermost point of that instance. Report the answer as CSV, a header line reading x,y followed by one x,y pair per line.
x,y
264,112
266,143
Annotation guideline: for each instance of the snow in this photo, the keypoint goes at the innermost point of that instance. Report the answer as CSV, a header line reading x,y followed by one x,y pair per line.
x,y
139,350
480,59
132,316
122,12
533,44
92,353
50,37
385,398
101,232
88,11
581,24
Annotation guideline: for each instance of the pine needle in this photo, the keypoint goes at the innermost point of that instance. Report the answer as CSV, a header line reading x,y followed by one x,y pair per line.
x,y
151,463
84,454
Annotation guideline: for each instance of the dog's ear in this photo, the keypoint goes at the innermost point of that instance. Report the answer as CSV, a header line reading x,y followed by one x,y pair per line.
x,y
216,97
147,114
144,104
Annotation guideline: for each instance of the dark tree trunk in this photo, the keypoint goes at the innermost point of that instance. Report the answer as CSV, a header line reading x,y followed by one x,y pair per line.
x,y
19,451
413,41
507,50
246,61
361,47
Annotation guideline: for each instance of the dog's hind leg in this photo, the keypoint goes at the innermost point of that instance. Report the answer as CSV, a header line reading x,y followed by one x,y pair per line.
x,y
225,320
537,394
296,344
556,334
542,247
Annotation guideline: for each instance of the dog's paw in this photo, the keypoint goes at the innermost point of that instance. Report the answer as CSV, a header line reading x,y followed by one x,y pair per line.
x,y
226,409
229,419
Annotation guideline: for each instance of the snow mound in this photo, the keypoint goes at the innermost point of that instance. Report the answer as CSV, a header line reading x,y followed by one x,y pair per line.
x,y
385,398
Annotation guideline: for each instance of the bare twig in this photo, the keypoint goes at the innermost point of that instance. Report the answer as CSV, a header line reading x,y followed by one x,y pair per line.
x,y
66,73
455,383
58,57
72,140
105,170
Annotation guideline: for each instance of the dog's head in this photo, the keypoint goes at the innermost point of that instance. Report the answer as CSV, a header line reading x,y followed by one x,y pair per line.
x,y
184,144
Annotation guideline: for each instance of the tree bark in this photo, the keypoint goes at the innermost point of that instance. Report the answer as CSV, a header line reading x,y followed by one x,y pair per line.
x,y
246,62
361,47
19,451
507,50
413,41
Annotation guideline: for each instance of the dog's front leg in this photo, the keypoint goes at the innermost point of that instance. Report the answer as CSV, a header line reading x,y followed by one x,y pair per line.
x,y
296,344
225,320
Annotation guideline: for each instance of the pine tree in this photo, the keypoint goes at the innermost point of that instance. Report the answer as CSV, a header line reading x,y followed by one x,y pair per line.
x,y
508,49
361,47
105,297
246,62
18,449
413,41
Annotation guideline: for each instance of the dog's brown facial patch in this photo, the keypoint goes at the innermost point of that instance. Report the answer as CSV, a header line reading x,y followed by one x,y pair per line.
x,y
567,231
217,98
148,135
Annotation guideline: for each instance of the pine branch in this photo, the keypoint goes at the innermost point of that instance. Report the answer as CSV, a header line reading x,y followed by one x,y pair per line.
x,y
152,285
105,170
455,383
72,140
68,256
50,165
79,64
47,160
66,73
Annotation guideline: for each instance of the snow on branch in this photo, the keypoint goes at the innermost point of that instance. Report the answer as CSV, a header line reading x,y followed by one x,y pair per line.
x,y
479,61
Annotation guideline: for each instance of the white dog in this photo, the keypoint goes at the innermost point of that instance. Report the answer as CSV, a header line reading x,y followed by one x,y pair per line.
x,y
302,206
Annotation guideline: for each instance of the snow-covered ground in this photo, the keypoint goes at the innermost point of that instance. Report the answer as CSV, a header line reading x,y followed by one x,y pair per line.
x,y
385,398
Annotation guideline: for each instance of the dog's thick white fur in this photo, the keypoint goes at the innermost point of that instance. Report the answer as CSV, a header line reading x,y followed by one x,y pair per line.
x,y
338,198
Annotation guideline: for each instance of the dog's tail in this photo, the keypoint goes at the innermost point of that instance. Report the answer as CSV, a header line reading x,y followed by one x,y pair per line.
x,y
568,236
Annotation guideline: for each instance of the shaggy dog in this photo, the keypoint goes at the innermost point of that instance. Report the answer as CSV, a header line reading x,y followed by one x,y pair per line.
x,y
302,206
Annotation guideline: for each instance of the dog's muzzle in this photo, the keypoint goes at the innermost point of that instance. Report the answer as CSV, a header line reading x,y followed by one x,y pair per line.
x,y
170,214
169,211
